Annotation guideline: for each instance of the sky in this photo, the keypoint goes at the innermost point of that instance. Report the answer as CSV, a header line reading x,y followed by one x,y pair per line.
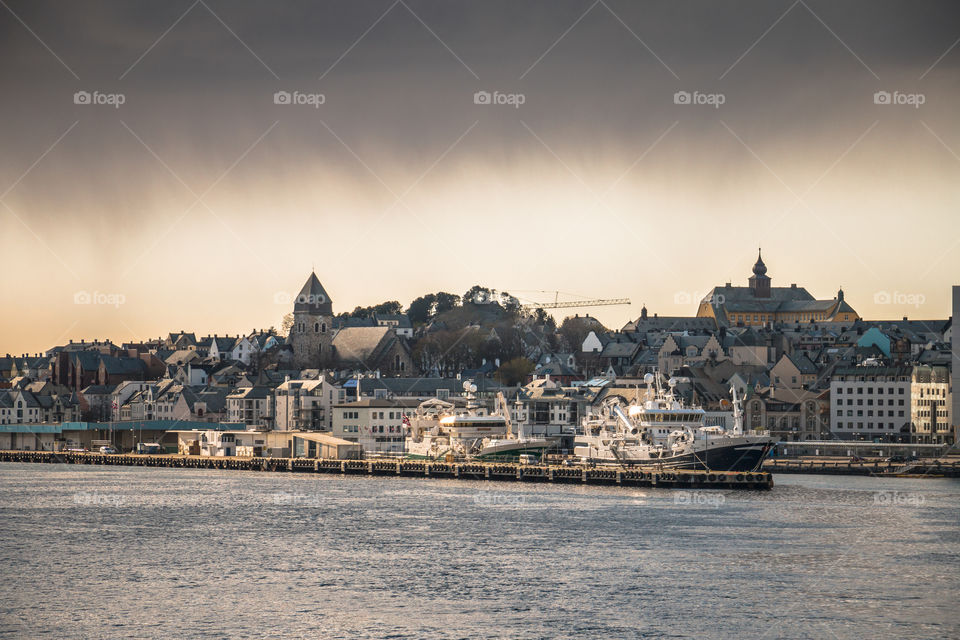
x,y
184,165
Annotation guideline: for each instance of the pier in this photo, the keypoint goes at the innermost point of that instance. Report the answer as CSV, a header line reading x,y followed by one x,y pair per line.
x,y
924,468
467,470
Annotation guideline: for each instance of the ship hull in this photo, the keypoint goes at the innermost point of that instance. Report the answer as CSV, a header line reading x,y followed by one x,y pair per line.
x,y
744,453
724,457
513,451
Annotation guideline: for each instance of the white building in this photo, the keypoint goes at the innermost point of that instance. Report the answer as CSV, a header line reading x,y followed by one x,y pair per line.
x,y
870,403
306,404
377,425
252,406
930,400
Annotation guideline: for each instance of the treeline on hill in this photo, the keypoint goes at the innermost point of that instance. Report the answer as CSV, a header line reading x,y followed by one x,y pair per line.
x,y
454,332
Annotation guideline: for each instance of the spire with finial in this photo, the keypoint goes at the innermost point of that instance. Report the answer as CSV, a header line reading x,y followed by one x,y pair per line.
x,y
759,269
760,281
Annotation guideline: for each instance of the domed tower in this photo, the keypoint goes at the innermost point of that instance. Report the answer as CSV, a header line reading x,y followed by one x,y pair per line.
x,y
312,330
760,281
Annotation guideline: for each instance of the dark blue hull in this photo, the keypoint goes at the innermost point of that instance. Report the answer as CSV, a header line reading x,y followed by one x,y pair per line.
x,y
735,457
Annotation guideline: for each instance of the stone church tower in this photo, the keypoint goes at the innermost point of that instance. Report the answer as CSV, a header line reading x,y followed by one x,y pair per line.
x,y
760,281
312,330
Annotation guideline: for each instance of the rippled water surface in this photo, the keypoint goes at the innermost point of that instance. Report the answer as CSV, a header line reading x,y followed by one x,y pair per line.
x,y
127,552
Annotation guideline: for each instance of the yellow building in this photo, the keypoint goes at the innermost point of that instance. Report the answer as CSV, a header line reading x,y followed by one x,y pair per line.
x,y
759,303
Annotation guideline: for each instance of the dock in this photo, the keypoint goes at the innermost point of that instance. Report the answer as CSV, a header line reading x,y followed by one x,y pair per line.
x,y
924,468
467,470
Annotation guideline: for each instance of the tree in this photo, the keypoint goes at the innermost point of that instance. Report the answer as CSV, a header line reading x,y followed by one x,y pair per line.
x,y
514,372
446,302
391,308
421,309
478,295
286,324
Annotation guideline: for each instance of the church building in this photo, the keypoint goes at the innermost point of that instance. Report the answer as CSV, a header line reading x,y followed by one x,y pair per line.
x,y
319,340
759,303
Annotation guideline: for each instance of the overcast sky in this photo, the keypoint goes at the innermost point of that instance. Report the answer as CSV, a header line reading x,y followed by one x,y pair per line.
x,y
201,204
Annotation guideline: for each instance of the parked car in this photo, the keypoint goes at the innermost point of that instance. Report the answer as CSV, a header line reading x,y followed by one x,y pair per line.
x,y
109,450
857,459
895,458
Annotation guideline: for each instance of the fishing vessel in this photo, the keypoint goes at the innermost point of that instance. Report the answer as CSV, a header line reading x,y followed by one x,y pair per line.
x,y
662,430
439,429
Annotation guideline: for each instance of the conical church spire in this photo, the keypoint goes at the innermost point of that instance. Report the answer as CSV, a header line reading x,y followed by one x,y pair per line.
x,y
313,298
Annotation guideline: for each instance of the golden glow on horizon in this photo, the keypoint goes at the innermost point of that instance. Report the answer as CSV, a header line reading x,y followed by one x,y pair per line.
x,y
661,236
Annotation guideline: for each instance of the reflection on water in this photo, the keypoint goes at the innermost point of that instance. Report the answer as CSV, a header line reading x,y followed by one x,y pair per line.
x,y
105,552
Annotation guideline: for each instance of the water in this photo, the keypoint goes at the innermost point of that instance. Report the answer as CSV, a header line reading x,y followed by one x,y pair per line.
x,y
129,552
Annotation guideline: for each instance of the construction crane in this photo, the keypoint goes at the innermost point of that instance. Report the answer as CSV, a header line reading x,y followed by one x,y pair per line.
x,y
556,304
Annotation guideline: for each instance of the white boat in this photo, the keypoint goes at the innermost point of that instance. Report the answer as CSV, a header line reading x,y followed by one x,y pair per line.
x,y
438,430
663,431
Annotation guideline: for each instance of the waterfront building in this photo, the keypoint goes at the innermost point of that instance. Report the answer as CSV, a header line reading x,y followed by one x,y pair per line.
x,y
375,424
930,410
955,367
252,406
305,405
871,403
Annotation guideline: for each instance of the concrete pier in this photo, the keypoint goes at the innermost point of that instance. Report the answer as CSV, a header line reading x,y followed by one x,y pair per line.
x,y
468,470
949,468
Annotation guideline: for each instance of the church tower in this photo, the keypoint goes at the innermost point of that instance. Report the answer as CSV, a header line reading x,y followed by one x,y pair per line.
x,y
760,281
312,330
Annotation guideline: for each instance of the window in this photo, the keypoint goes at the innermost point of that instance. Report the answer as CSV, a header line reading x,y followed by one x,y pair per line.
x,y
316,327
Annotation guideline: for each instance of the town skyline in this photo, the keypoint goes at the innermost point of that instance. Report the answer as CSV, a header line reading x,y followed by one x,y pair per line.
x,y
684,303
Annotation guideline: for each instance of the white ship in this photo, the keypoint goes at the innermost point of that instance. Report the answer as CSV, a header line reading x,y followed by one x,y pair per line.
x,y
663,431
439,430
